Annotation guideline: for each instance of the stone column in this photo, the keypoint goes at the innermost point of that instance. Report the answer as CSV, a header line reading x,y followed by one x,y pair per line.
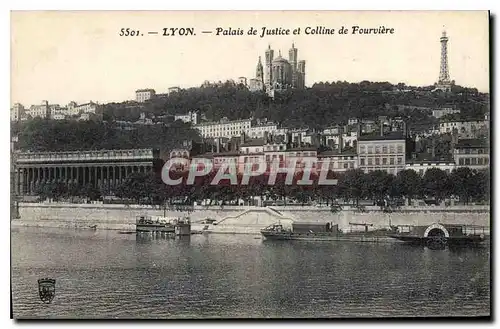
x,y
37,177
31,174
21,181
114,176
86,175
16,181
27,181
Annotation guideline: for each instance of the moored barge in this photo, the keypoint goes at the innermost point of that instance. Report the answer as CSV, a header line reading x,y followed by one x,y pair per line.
x,y
326,232
154,224
440,235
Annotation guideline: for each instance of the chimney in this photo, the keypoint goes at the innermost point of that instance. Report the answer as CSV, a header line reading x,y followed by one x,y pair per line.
x,y
341,140
454,140
317,140
381,128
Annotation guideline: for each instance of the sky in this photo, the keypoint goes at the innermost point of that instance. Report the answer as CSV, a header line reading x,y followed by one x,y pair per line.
x,y
64,56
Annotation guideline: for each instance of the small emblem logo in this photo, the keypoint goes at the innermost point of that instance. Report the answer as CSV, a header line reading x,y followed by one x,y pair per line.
x,y
47,289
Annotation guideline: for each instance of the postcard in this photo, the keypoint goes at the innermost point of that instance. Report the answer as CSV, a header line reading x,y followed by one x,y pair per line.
x,y
250,165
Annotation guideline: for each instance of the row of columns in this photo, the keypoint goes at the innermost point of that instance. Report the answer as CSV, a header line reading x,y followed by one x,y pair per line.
x,y
28,179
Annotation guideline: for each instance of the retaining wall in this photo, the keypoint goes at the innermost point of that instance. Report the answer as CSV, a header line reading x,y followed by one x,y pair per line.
x,y
235,219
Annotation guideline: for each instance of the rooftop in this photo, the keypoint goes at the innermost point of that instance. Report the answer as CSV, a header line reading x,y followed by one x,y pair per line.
x,y
393,135
332,153
254,142
472,143
303,148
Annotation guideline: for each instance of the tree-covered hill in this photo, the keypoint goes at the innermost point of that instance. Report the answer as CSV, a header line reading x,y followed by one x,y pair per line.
x,y
321,105
52,135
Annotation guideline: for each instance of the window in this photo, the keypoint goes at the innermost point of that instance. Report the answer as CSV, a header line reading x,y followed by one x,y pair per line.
x,y
400,148
400,161
384,149
384,161
377,161
370,149
461,161
346,165
362,149
391,149
377,149
362,161
486,161
473,161
369,161
467,161
391,161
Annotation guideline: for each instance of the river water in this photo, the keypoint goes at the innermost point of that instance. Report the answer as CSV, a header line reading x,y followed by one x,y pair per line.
x,y
103,274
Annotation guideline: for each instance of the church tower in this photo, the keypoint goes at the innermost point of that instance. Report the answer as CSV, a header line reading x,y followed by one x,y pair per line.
x,y
259,74
269,62
292,58
301,75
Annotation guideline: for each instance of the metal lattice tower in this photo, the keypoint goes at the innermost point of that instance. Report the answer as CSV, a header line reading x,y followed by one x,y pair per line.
x,y
444,74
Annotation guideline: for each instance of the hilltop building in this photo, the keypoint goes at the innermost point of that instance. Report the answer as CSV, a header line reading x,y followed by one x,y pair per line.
x,y
279,73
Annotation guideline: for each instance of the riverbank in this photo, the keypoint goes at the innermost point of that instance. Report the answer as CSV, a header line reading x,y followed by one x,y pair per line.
x,y
238,219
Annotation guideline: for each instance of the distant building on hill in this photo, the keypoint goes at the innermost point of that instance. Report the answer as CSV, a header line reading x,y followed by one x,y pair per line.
x,y
142,95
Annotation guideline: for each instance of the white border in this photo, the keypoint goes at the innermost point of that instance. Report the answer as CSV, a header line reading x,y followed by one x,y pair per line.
x,y
188,5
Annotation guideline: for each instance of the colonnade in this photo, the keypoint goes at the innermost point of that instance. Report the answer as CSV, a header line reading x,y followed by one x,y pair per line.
x,y
28,178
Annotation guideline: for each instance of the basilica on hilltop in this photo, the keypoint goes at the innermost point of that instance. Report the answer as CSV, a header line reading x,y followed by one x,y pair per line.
x,y
280,73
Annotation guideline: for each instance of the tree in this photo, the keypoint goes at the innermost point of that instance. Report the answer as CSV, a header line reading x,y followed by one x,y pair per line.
x,y
480,185
409,183
436,184
378,184
463,183
352,185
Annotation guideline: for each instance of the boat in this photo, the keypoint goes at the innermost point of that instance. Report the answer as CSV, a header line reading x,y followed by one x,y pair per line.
x,y
126,232
153,224
440,235
326,232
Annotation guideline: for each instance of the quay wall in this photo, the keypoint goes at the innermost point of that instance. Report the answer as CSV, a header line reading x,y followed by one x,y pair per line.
x,y
239,219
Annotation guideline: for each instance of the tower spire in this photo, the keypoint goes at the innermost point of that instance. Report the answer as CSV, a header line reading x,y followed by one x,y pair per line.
x,y
444,74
